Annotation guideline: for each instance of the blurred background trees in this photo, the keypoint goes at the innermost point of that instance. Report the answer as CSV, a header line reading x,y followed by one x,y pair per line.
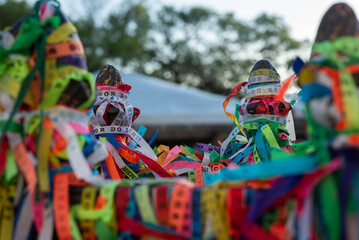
x,y
11,11
194,46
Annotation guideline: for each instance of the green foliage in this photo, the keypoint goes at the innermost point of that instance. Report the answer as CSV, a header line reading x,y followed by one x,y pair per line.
x,y
11,11
194,46
215,51
91,38
273,36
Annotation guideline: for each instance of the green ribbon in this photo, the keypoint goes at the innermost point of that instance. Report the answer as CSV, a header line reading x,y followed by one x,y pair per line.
x,y
60,84
236,113
13,70
14,127
103,231
142,198
40,48
214,156
11,169
105,213
329,203
327,188
274,127
31,33
330,50
347,45
76,234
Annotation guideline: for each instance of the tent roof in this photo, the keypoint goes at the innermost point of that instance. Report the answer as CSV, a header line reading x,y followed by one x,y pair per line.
x,y
181,111
165,103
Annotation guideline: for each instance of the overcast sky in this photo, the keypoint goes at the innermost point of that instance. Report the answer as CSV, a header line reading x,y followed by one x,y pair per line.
x,y
303,16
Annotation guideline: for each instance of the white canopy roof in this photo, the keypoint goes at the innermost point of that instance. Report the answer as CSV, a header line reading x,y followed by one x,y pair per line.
x,y
165,103
180,111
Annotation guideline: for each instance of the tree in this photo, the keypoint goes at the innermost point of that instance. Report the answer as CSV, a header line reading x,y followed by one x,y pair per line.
x,y
121,39
11,11
213,51
195,46
274,37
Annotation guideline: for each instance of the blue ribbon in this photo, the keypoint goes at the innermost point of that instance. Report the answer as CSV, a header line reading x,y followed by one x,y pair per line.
x,y
240,156
196,213
131,206
261,144
314,90
281,167
153,138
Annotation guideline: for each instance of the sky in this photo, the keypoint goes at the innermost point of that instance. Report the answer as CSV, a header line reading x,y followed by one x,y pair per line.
x,y
302,16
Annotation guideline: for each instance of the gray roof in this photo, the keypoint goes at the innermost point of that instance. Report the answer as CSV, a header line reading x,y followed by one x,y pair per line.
x,y
184,112
165,103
